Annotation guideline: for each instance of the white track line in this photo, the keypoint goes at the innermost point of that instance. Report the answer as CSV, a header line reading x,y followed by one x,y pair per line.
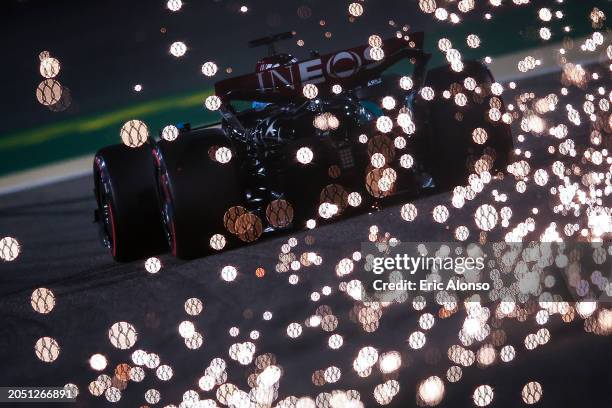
x,y
48,174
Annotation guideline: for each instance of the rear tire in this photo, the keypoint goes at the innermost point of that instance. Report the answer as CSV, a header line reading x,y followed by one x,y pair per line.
x,y
451,150
128,210
195,191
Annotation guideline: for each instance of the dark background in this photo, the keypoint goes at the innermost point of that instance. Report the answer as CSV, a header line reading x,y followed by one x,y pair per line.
x,y
106,47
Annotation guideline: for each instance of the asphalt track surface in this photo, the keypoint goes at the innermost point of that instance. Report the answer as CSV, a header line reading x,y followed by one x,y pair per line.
x,y
61,251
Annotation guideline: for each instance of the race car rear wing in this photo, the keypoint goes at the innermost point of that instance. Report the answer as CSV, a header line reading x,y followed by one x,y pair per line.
x,y
349,68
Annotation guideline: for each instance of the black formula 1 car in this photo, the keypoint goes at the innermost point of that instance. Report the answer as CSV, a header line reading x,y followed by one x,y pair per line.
x,y
300,143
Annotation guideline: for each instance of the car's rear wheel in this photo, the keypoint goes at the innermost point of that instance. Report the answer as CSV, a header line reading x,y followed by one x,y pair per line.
x,y
195,191
128,209
467,139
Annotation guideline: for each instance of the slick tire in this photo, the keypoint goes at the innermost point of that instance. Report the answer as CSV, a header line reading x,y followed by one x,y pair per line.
x,y
128,211
196,190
